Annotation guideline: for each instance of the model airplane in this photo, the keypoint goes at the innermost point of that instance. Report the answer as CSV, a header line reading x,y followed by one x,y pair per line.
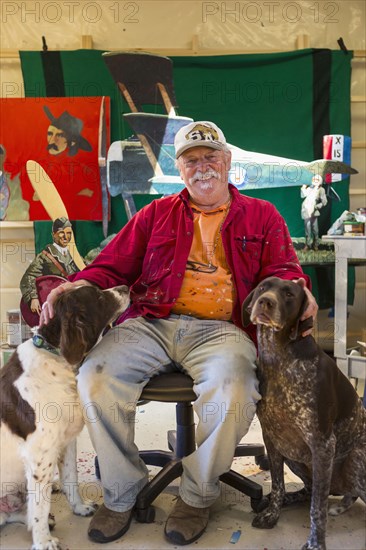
x,y
131,170
145,163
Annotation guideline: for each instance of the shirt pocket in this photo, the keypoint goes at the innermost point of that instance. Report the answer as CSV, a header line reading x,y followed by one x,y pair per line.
x,y
158,259
248,255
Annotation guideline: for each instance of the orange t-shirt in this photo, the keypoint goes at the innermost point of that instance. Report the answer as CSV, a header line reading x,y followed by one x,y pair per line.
x,y
207,291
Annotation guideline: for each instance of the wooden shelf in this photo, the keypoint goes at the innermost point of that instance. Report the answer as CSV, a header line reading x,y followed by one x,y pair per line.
x,y
302,42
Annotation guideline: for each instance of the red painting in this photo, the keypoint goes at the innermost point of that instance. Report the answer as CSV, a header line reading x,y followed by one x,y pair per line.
x,y
68,137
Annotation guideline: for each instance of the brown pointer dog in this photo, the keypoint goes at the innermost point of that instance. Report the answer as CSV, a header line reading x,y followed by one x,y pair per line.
x,y
311,417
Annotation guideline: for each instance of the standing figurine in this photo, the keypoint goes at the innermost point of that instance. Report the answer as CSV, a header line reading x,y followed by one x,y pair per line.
x,y
55,259
314,199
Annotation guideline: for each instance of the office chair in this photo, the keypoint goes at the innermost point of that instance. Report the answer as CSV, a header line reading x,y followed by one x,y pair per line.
x,y
178,388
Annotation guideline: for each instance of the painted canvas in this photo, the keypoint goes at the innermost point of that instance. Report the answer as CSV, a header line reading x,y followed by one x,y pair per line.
x,y
68,137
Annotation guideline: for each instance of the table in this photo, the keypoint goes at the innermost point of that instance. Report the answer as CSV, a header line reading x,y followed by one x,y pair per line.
x,y
346,248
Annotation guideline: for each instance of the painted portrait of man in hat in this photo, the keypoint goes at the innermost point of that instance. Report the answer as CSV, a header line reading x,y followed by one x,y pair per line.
x,y
64,133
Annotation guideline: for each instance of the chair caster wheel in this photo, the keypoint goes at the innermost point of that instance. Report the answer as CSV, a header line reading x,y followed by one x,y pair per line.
x,y
259,504
145,515
262,462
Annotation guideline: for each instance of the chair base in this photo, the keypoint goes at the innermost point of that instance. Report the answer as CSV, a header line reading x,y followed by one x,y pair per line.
x,y
171,469
178,388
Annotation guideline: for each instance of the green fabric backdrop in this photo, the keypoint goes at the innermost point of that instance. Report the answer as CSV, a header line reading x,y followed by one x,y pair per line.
x,y
280,104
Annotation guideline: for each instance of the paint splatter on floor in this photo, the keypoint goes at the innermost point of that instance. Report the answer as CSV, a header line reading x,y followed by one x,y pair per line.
x,y
85,466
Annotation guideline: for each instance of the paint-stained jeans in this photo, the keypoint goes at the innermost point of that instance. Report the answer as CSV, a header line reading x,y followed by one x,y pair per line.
x,y
221,360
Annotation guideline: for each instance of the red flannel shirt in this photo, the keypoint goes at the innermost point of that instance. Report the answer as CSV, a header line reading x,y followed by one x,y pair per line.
x,y
150,252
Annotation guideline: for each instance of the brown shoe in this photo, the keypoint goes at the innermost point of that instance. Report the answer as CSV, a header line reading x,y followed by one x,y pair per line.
x,y
185,523
107,525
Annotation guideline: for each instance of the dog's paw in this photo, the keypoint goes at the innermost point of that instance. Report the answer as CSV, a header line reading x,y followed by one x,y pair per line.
x,y
265,520
51,543
84,509
51,522
340,507
16,517
336,509
3,518
56,486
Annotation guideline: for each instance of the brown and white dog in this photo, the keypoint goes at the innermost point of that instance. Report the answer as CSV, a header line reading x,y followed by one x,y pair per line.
x,y
40,410
312,418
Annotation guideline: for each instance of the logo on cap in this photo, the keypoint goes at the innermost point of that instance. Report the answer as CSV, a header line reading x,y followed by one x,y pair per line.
x,y
202,133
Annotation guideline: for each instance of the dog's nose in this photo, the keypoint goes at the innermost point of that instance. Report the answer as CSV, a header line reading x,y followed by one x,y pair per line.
x,y
266,302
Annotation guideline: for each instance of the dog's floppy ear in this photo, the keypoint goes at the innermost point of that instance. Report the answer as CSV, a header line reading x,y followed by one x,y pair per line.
x,y
77,331
123,290
75,338
246,309
113,302
301,326
83,314
123,293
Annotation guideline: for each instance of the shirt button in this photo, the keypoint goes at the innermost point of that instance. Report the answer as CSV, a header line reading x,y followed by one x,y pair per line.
x,y
189,233
179,274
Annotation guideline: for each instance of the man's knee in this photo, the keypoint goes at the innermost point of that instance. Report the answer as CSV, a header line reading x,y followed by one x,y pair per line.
x,y
240,365
240,384
88,380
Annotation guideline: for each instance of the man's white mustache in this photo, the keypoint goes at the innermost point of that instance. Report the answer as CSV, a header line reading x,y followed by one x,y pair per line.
x,y
202,176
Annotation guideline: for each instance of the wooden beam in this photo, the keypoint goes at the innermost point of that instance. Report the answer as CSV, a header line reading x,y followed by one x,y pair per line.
x,y
195,44
166,99
302,42
169,52
87,42
357,191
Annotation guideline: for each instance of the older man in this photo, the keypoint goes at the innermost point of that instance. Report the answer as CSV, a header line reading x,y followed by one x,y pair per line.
x,y
190,260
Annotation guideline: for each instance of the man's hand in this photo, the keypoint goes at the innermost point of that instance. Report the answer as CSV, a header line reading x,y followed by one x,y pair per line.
x,y
47,307
312,308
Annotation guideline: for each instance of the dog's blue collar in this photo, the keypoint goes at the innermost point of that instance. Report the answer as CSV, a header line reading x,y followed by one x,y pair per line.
x,y
42,343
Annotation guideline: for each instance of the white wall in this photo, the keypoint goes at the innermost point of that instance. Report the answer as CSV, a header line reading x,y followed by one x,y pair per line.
x,y
175,27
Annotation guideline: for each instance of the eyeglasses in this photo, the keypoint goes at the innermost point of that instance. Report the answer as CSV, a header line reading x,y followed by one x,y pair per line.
x,y
193,162
199,266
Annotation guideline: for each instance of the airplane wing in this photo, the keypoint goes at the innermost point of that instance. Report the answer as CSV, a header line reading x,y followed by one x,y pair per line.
x,y
251,170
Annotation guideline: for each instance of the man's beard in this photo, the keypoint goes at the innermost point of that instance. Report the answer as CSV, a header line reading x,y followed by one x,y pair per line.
x,y
204,176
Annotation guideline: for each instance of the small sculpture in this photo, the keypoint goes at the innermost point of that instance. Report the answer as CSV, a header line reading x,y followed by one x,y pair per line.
x,y
314,199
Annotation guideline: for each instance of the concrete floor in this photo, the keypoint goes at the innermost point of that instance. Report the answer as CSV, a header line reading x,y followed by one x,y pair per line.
x,y
232,512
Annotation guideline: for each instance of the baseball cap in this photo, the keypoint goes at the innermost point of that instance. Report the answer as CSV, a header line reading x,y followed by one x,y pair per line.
x,y
198,134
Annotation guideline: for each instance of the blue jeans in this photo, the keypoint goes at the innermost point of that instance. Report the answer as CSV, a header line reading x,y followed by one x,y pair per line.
x,y
218,356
